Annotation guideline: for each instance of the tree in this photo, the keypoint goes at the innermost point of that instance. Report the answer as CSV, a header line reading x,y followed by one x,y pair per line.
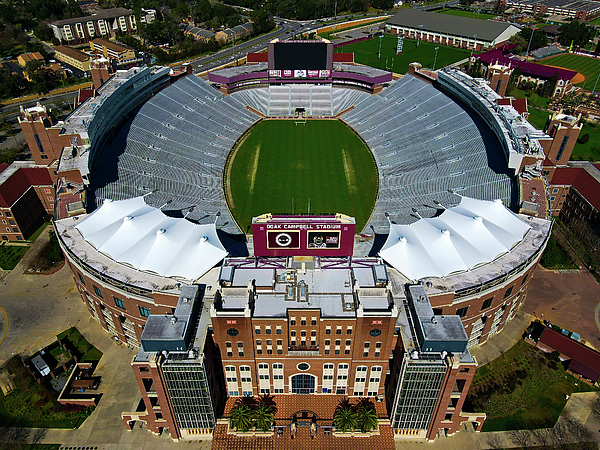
x,y
576,32
263,416
241,417
547,89
583,139
344,417
366,416
520,42
537,41
43,32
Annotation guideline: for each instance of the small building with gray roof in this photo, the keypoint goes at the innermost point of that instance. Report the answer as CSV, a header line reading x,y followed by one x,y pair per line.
x,y
462,32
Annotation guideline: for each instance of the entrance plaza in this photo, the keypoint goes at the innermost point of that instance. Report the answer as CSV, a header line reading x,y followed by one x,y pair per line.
x,y
304,422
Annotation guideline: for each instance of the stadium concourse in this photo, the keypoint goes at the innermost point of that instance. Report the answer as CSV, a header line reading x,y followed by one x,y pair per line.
x,y
304,306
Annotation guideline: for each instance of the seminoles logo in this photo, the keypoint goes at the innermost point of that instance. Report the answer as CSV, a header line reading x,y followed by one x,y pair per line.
x,y
283,239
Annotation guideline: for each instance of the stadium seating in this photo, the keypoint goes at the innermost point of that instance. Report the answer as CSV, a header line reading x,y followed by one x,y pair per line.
x,y
424,143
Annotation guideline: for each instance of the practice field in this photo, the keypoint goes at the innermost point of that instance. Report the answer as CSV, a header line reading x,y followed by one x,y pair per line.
x,y
588,67
366,53
324,161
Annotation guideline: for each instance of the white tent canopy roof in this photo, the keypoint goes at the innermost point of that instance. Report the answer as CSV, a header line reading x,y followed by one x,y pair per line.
x,y
133,233
465,236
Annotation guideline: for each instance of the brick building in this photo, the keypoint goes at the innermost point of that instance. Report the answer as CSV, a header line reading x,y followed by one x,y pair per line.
x,y
26,196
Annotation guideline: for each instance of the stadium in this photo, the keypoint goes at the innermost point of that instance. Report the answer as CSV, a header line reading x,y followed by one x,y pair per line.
x,y
366,196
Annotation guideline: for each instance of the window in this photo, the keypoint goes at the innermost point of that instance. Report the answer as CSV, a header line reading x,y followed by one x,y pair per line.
x,y
338,342
327,342
228,344
268,330
508,292
256,330
119,302
8,214
293,342
337,352
279,342
12,222
15,230
487,303
279,351
303,333
375,332
328,330
462,312
98,291
232,332
349,330
293,333
81,279
313,343
338,330
562,148
5,238
241,353
258,342
378,345
313,322
259,351
303,322
292,321
145,312
347,351
303,366
278,330
240,344
313,333
524,279
269,342
327,352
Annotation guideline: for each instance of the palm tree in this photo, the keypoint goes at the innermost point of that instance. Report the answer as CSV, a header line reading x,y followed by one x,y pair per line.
x,y
344,417
263,416
366,416
268,400
241,417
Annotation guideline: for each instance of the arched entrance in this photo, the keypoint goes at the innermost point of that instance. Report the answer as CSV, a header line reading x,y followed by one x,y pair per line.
x,y
303,383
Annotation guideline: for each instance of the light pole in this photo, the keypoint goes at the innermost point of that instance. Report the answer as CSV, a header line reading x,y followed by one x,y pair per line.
x,y
379,54
421,28
473,49
596,83
435,58
530,39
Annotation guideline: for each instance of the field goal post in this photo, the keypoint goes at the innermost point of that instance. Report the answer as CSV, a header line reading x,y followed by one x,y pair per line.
x,y
300,116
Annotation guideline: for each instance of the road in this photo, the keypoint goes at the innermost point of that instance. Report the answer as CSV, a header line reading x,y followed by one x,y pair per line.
x,y
287,30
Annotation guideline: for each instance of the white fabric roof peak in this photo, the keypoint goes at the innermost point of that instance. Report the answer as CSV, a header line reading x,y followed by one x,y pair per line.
x,y
472,233
133,233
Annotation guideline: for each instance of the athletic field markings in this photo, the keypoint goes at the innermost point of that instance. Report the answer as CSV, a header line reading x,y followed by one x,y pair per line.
x,y
253,170
351,181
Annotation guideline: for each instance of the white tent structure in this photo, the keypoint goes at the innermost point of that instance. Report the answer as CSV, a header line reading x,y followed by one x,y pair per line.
x,y
133,233
470,234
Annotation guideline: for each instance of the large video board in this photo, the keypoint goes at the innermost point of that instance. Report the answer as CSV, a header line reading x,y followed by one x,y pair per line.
x,y
300,56
303,235
300,59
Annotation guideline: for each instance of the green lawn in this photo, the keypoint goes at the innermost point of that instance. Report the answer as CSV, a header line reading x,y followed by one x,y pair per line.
x,y
471,14
538,118
323,162
590,151
523,389
10,255
366,53
87,351
555,256
588,67
34,405
532,98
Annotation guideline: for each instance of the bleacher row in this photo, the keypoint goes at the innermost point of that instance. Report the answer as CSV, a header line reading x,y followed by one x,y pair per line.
x,y
177,144
318,100
426,145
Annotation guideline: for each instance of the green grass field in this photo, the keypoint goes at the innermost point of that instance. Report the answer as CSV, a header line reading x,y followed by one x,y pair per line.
x,y
366,53
590,151
323,161
588,67
472,14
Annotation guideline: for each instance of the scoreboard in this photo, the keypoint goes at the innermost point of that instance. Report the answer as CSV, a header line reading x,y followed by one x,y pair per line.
x,y
300,59
303,235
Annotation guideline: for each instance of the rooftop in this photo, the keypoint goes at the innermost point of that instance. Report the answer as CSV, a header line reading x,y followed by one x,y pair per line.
x,y
71,52
486,30
101,14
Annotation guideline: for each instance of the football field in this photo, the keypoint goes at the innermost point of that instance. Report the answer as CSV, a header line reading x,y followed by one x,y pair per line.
x,y
366,52
279,167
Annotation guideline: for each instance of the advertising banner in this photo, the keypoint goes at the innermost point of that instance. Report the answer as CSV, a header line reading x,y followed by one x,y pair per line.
x,y
275,73
400,44
299,73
